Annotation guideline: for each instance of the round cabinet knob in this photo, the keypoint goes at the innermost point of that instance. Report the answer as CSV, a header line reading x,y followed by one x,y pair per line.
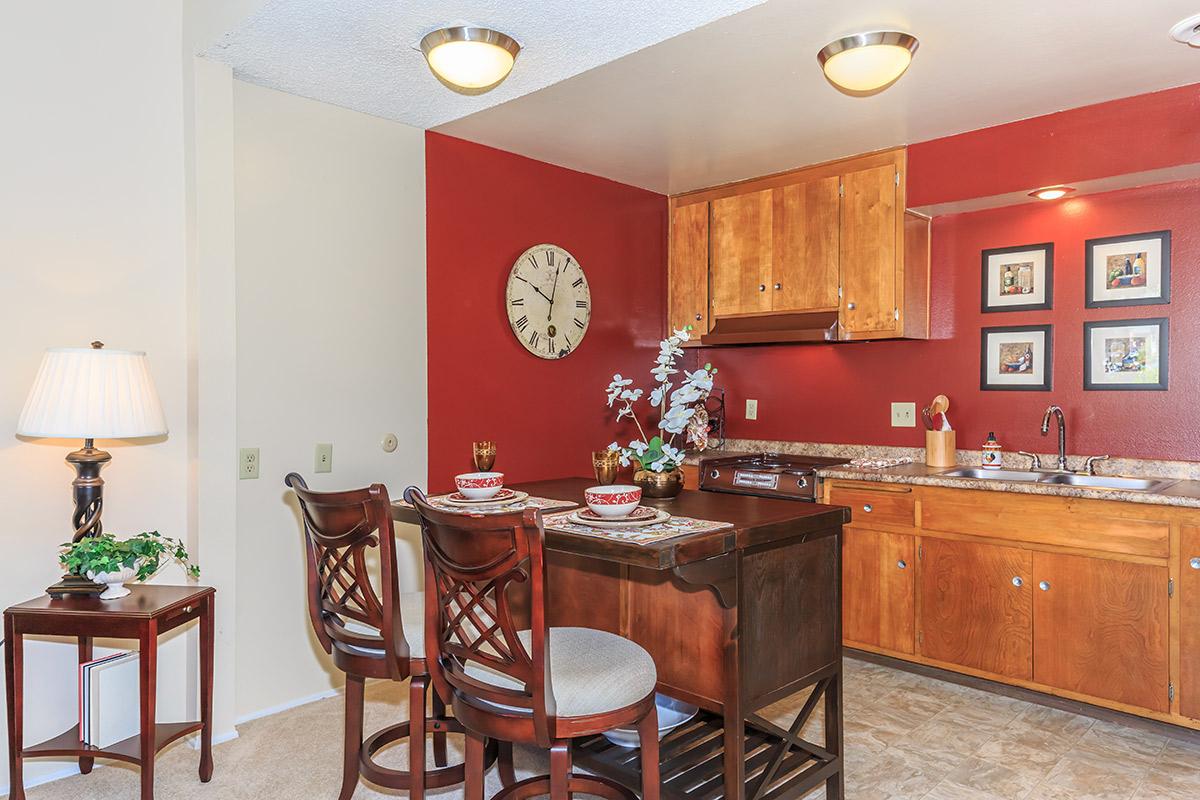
x,y
902,564
1194,563
716,473
1017,582
849,306
762,287
1044,586
803,484
868,508
699,317
779,286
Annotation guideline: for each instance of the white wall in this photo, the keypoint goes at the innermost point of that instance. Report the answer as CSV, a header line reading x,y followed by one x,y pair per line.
x,y
91,247
330,242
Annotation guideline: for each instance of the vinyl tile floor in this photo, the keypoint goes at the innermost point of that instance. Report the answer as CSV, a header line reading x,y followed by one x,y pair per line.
x,y
907,737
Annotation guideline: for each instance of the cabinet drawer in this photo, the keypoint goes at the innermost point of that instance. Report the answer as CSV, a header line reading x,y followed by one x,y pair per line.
x,y
883,506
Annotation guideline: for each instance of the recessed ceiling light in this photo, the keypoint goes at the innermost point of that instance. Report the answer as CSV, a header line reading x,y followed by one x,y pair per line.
x,y
470,60
866,63
1187,31
1051,192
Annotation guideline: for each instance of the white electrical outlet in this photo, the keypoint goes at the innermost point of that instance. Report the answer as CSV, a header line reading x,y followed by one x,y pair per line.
x,y
248,463
324,458
751,409
904,415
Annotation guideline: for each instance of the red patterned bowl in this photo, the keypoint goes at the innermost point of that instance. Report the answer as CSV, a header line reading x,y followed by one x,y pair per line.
x,y
479,485
613,501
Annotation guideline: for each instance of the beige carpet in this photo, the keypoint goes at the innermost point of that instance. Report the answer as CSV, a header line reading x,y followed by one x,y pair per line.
x,y
907,738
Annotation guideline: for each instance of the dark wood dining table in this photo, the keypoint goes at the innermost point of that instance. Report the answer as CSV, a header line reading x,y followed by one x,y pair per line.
x,y
736,619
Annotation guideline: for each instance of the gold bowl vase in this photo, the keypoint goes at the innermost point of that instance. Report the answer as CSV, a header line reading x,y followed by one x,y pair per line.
x,y
659,485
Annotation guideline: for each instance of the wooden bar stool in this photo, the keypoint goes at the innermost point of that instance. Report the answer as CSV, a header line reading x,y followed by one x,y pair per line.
x,y
371,633
484,574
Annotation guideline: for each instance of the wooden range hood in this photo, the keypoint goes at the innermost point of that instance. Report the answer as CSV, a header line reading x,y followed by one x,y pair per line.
x,y
808,326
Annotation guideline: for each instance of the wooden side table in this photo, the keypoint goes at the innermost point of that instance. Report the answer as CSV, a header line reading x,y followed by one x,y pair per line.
x,y
143,615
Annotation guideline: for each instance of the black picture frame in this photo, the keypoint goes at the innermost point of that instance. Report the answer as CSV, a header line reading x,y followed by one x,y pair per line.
x,y
1164,296
1047,383
1164,355
1048,301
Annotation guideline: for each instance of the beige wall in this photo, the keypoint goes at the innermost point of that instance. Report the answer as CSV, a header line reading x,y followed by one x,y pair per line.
x,y
330,243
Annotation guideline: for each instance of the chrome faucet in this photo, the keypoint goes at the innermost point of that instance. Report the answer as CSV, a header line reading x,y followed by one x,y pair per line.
x,y
1062,434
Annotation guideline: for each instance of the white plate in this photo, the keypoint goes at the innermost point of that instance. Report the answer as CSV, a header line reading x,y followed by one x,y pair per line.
x,y
516,497
659,517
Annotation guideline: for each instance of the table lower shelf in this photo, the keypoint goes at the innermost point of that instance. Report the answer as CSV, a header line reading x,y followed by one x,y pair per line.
x,y
68,744
691,762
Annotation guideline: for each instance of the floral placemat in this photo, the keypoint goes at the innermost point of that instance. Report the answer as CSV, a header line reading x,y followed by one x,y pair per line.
x,y
648,534
438,501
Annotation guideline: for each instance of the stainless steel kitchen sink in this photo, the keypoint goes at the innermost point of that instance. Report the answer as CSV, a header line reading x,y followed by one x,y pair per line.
x,y
993,474
1108,482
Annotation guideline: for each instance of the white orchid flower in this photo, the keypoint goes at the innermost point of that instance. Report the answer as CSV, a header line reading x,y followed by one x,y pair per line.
x,y
676,419
632,395
685,394
701,379
682,335
674,455
662,373
657,395
658,466
614,446
614,388
639,447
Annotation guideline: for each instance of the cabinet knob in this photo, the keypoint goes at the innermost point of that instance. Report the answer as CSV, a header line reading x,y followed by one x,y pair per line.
x,y
1044,586
849,306
1194,563
762,287
716,473
779,286
803,484
868,508
1017,582
699,317
902,564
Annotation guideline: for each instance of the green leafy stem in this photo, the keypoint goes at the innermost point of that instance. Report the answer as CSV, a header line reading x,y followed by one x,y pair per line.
x,y
143,553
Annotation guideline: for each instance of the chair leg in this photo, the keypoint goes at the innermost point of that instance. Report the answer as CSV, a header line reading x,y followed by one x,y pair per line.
x,y
418,684
354,735
508,772
648,739
560,770
440,758
473,788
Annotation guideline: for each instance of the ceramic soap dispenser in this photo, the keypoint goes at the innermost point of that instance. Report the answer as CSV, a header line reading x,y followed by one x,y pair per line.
x,y
991,452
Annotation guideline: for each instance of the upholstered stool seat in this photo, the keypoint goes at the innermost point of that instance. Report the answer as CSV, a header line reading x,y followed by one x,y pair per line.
x,y
412,618
591,672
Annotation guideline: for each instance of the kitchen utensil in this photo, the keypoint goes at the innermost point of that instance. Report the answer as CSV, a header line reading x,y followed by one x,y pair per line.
x,y
927,416
940,404
484,455
605,463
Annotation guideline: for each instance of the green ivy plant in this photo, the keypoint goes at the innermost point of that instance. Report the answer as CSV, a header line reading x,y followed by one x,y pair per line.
x,y
143,553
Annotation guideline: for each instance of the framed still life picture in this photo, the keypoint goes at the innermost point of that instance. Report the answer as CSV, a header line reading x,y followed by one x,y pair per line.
x,y
1129,354
1133,270
1016,358
1018,278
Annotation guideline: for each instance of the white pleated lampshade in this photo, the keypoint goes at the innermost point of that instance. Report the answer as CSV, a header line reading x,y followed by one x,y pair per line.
x,y
87,393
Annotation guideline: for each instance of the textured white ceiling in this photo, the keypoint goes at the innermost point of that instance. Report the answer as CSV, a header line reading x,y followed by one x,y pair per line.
x,y
744,96
361,53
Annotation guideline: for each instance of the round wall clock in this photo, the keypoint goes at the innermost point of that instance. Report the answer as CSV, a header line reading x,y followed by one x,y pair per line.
x,y
548,300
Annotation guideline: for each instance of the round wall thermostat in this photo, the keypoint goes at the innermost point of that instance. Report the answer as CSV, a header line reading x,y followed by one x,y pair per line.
x,y
389,443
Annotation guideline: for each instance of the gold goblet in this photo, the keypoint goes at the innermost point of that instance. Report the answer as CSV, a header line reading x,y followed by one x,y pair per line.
x,y
605,463
484,454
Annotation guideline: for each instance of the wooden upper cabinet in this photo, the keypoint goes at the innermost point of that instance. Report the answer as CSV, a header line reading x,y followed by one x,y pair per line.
x,y
804,265
878,589
687,272
1101,628
972,610
741,253
870,298
1189,622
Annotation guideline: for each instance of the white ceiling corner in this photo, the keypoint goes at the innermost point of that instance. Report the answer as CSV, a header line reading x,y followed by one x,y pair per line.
x,y
361,54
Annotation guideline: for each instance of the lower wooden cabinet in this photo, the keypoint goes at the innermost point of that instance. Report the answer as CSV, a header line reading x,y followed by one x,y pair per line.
x,y
977,606
1100,628
1189,621
878,594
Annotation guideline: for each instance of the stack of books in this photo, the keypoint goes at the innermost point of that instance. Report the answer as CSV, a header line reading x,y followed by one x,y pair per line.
x,y
109,701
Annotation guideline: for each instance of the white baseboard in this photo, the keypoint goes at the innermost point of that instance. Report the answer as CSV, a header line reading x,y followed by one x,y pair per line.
x,y
301,701
57,775
218,738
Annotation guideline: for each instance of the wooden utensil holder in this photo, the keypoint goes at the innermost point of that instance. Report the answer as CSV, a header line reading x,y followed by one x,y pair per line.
x,y
940,449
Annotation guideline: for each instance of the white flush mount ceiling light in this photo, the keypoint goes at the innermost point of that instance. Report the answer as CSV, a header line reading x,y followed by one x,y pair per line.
x,y
468,59
1187,31
866,63
1051,192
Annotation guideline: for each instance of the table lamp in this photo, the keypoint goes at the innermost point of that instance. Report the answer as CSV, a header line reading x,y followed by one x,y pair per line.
x,y
90,393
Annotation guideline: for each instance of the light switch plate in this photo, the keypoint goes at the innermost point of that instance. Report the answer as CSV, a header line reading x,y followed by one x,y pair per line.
x,y
248,463
324,458
751,409
904,415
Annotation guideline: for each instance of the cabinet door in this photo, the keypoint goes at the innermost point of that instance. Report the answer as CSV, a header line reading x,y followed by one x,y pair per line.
x,y
804,257
1100,628
878,589
741,253
687,271
972,611
869,251
1189,622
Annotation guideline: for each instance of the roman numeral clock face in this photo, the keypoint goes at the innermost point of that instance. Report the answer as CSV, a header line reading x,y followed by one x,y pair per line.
x,y
549,302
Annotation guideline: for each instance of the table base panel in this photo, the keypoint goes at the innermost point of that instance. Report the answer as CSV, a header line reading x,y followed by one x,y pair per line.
x,y
68,744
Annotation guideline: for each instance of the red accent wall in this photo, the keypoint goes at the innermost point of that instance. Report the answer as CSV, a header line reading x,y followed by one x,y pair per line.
x,y
484,208
1133,134
841,393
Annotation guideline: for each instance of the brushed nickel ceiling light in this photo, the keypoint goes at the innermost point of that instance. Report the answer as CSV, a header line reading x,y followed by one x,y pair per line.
x,y
866,63
1051,192
1187,31
468,59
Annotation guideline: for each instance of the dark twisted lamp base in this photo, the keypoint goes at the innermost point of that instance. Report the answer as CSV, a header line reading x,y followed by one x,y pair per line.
x,y
88,489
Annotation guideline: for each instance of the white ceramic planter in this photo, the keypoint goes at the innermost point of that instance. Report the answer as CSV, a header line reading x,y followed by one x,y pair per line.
x,y
115,582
